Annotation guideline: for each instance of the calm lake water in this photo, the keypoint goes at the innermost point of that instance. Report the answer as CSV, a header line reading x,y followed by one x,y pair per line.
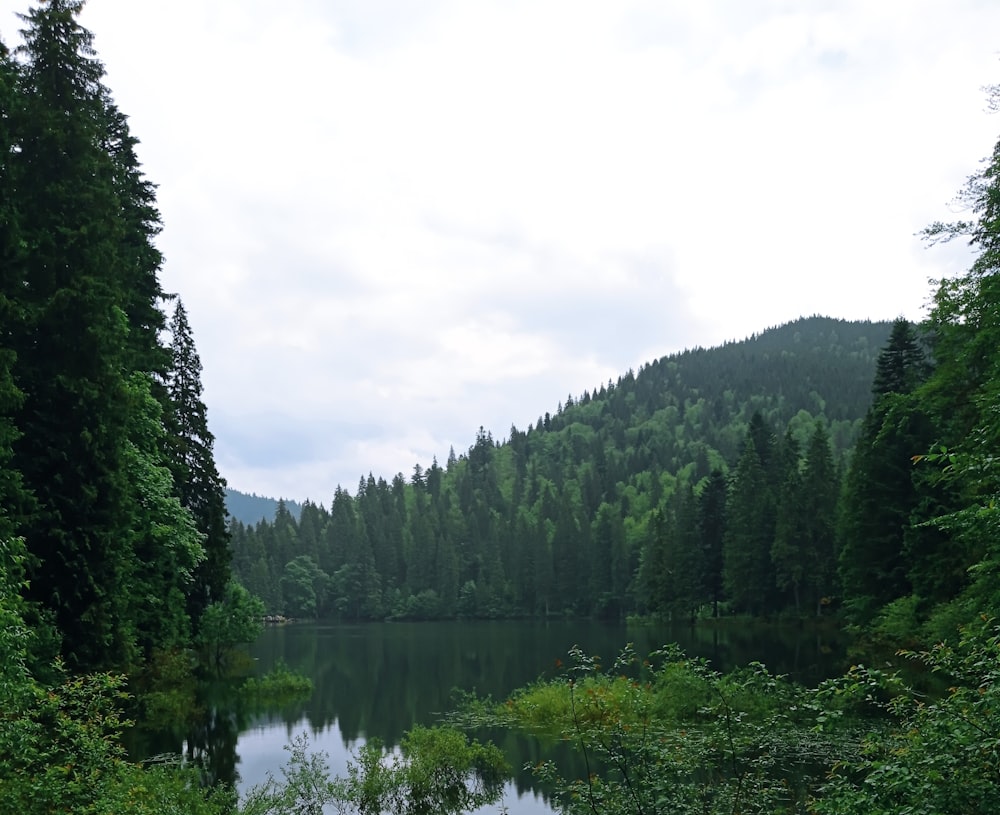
x,y
376,680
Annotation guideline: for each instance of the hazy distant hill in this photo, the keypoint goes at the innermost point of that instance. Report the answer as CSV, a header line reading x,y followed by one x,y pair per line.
x,y
252,508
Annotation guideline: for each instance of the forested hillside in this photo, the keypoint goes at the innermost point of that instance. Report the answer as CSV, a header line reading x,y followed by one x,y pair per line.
x,y
614,503
821,466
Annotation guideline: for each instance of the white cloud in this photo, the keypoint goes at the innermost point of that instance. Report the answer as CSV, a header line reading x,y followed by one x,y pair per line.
x,y
393,222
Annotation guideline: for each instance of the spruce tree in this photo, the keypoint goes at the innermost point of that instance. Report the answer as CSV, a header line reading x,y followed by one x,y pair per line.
x,y
820,490
789,550
711,536
684,556
747,571
880,496
71,360
13,498
141,295
199,486
901,365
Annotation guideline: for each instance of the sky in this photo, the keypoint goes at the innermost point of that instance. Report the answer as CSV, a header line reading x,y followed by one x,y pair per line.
x,y
393,222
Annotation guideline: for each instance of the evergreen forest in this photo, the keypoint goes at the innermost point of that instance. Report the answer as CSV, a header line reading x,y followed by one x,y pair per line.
x,y
822,468
674,491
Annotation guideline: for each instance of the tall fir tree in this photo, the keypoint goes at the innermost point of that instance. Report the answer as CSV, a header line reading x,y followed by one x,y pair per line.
x,y
71,359
711,536
789,549
880,496
820,491
192,461
14,501
751,515
138,283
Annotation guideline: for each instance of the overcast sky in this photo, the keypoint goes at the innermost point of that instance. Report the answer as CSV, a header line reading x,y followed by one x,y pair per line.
x,y
395,221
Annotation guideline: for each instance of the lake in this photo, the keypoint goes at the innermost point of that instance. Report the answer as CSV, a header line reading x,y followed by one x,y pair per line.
x,y
376,680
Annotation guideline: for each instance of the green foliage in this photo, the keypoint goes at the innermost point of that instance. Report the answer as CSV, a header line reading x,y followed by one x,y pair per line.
x,y
167,547
73,340
304,586
60,748
232,621
305,790
748,577
938,755
197,483
166,689
672,736
803,551
898,621
280,684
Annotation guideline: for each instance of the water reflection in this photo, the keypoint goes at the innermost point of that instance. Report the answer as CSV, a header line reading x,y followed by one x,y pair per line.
x,y
378,680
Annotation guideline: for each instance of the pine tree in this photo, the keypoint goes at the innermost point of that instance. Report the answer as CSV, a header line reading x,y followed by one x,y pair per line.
x,y
14,501
684,556
901,365
821,488
880,496
747,573
138,284
71,360
790,550
711,536
751,515
199,486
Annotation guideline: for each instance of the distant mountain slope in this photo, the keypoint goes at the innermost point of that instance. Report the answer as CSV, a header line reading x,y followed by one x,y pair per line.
x,y
252,508
793,373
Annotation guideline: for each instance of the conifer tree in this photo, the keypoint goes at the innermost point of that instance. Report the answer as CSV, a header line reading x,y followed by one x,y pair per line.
x,y
961,397
789,550
199,486
880,495
750,512
166,545
609,571
901,365
747,572
70,345
684,556
803,551
711,536
13,498
138,284
821,488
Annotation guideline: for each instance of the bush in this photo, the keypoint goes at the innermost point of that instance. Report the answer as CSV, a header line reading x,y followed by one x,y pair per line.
x,y
279,684
936,757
